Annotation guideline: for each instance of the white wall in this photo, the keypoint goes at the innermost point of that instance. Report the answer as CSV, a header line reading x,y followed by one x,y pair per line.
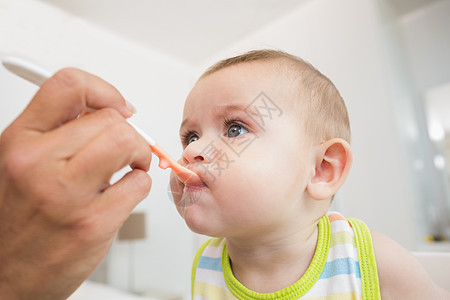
x,y
426,34
156,84
343,39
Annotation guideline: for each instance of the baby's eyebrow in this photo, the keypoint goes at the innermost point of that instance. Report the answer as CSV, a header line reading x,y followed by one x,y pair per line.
x,y
226,109
183,123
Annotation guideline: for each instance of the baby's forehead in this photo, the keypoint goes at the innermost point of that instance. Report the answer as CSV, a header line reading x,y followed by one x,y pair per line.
x,y
279,69
280,80
243,86
256,88
265,81
273,74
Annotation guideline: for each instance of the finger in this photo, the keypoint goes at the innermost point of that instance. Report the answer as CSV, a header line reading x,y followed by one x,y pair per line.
x,y
76,134
65,95
114,148
119,199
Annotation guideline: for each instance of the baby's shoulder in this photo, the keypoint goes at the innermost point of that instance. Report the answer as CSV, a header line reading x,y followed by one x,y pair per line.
x,y
400,274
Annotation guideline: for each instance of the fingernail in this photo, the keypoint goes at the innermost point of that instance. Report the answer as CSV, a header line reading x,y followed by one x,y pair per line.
x,y
131,108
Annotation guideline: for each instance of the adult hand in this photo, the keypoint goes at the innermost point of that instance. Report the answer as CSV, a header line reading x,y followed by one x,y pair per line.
x,y
58,212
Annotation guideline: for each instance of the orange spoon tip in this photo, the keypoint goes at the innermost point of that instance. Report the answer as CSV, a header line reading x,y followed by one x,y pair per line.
x,y
188,177
185,175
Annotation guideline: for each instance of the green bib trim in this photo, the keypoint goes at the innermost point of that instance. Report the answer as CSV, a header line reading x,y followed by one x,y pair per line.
x,y
367,263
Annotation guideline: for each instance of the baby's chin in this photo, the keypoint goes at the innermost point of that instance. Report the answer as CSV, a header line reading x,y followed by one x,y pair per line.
x,y
195,219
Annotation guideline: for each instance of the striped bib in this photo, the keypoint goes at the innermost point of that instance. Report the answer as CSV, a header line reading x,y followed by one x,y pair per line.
x,y
343,267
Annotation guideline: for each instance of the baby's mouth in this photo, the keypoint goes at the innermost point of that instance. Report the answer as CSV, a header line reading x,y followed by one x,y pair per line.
x,y
194,188
192,191
189,178
195,181
191,195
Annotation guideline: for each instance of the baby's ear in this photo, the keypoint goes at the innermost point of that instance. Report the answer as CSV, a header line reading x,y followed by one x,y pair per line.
x,y
333,162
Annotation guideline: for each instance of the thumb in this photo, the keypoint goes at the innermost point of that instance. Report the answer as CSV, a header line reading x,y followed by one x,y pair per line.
x,y
67,94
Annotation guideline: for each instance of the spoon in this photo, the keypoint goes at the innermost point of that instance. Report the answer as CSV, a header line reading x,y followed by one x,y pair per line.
x,y
38,75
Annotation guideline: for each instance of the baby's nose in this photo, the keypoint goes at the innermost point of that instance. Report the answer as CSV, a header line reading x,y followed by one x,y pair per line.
x,y
199,152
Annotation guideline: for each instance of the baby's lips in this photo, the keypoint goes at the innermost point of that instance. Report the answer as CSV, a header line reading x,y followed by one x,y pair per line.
x,y
188,177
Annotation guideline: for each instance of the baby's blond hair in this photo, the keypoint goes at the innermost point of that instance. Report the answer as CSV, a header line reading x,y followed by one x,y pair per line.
x,y
325,113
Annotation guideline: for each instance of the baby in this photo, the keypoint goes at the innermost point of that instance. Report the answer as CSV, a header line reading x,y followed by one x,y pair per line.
x,y
269,136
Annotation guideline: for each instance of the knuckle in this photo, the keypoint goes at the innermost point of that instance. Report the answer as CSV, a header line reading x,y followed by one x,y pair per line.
x,y
6,136
123,136
142,182
68,77
110,115
87,226
25,167
19,168
18,162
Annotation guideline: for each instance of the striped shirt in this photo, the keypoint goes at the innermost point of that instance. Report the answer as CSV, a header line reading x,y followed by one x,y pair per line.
x,y
343,267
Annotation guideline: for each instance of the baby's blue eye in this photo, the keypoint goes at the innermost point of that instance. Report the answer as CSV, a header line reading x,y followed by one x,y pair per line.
x,y
189,137
236,130
192,138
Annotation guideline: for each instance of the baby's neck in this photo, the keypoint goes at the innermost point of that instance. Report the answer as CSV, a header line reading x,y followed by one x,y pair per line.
x,y
266,266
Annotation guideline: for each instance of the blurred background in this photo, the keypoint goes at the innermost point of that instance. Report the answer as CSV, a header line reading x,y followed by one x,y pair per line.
x,y
389,59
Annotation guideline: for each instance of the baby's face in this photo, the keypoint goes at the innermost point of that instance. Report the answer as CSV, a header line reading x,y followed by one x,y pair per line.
x,y
242,136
